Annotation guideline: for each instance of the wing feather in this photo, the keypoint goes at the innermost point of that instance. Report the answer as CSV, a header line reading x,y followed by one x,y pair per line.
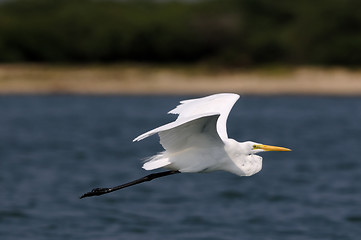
x,y
221,103
192,109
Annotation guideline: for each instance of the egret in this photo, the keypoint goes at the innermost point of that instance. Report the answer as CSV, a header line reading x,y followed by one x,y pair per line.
x,y
197,141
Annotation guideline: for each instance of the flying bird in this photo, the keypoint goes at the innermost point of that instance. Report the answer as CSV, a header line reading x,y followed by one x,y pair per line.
x,y
197,141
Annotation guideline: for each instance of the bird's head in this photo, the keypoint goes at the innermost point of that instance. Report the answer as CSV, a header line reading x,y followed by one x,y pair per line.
x,y
253,147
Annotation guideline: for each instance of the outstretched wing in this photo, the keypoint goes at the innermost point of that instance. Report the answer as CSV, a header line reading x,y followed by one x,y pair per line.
x,y
221,103
189,110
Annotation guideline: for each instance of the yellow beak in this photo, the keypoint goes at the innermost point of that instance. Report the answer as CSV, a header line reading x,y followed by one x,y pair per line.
x,y
270,148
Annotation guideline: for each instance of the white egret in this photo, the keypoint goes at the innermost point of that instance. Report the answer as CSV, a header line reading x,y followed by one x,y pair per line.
x,y
197,141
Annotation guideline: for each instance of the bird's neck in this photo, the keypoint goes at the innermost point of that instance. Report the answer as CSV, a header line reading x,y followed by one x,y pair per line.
x,y
240,161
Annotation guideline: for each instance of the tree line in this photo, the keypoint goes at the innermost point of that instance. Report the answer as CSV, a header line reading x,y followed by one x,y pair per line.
x,y
229,32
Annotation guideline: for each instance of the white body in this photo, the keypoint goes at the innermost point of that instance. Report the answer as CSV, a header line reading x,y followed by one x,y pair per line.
x,y
197,140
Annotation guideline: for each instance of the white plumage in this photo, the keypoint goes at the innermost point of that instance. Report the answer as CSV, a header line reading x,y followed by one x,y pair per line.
x,y
197,140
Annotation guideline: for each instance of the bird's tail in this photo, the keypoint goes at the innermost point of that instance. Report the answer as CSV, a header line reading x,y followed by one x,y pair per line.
x,y
156,161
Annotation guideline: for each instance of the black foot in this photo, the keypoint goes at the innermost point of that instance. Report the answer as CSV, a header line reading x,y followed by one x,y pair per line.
x,y
96,192
101,191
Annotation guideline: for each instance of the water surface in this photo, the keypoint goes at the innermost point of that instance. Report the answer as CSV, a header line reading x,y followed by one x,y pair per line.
x,y
54,148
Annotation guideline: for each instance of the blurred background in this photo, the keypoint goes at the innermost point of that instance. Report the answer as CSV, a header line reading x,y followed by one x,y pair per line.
x,y
80,79
137,47
236,33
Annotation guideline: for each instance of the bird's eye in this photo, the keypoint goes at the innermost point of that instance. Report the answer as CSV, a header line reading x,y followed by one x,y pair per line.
x,y
256,147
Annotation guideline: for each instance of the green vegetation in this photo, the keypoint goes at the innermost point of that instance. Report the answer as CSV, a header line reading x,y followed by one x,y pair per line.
x,y
228,32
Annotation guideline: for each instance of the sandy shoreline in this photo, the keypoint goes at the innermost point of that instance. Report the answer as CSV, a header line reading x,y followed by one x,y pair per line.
x,y
127,79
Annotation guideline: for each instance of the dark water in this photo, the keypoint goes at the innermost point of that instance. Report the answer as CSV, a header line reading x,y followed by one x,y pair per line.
x,y
54,148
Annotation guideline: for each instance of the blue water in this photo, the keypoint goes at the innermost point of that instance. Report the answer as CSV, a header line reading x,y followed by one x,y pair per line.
x,y
55,148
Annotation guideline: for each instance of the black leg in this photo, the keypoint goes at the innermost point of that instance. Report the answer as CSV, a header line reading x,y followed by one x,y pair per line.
x,y
101,191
